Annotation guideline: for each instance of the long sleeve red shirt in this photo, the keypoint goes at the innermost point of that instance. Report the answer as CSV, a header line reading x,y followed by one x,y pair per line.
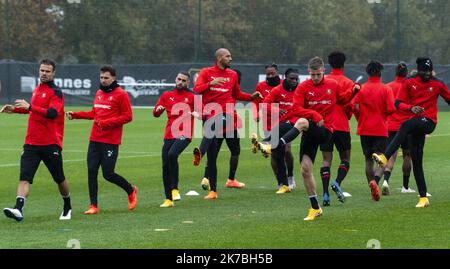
x,y
45,127
321,98
110,112
283,98
373,104
342,114
178,104
222,95
396,119
416,92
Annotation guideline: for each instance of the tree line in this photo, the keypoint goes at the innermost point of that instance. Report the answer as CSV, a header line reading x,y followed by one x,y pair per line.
x,y
257,31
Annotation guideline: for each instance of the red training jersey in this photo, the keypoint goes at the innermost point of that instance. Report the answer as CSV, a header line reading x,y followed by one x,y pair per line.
x,y
224,95
285,100
322,98
342,114
110,112
264,89
372,105
396,119
46,121
416,92
178,104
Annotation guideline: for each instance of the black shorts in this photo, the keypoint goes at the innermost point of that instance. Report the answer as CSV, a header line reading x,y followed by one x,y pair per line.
x,y
373,144
33,155
404,145
340,139
312,139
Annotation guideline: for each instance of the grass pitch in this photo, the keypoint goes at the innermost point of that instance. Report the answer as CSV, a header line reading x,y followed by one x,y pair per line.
x,y
254,217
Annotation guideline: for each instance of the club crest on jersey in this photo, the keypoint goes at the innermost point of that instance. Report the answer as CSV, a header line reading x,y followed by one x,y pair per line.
x,y
43,95
430,89
328,91
110,98
186,99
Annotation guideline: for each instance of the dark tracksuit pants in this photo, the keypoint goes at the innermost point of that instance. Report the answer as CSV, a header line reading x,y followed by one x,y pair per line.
x,y
210,143
233,143
279,152
104,155
416,128
172,148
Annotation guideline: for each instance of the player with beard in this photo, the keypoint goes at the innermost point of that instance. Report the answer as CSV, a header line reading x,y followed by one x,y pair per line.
x,y
282,95
179,105
111,110
265,87
417,96
394,122
220,89
43,141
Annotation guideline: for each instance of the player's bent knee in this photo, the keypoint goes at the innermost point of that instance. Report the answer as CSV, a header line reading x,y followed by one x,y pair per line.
x,y
108,176
302,124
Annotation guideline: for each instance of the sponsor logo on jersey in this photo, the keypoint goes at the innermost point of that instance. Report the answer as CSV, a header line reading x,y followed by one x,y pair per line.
x,y
322,102
102,106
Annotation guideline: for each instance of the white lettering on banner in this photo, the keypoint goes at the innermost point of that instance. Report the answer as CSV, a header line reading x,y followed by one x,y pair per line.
x,y
138,90
73,83
102,106
76,86
76,92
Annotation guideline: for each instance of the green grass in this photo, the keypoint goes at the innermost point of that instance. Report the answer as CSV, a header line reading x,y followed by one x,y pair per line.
x,y
254,217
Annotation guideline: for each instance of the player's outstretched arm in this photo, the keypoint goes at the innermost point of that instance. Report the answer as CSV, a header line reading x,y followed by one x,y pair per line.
x,y
21,106
7,109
